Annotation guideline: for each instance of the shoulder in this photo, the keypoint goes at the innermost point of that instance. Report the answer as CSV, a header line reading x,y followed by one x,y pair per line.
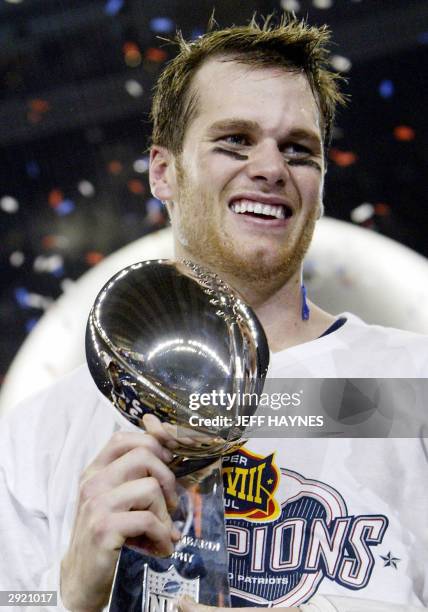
x,y
404,352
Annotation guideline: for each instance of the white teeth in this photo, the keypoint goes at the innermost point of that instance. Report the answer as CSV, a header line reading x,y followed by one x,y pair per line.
x,y
271,210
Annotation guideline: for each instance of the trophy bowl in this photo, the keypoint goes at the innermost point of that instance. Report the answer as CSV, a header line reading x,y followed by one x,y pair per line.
x,y
162,332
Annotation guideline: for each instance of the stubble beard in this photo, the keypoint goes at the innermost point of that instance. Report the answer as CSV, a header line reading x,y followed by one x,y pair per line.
x,y
202,241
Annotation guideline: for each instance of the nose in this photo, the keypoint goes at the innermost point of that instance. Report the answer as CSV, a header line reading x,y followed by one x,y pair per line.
x,y
267,165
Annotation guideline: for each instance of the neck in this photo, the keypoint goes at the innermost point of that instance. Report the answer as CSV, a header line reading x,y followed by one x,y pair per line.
x,y
280,313
279,310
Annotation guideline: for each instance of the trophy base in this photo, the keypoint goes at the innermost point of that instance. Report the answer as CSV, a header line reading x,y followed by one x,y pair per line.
x,y
199,565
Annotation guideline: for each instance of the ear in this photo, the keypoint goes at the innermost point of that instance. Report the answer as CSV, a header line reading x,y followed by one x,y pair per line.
x,y
161,173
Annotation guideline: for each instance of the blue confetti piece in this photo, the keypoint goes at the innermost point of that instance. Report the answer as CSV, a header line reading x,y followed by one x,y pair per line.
x,y
154,205
112,7
21,296
58,272
161,24
65,208
197,33
30,324
423,38
33,169
386,88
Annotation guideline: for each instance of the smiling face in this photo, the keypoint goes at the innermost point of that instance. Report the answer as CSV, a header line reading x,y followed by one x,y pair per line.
x,y
246,190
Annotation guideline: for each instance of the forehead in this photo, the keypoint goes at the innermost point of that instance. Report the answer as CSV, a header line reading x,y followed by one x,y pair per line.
x,y
271,96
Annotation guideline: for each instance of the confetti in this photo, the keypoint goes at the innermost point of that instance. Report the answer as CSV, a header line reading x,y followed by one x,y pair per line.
x,y
53,241
404,133
38,105
9,204
322,4
386,88
341,63
115,167
136,187
362,213
86,188
134,88
290,5
161,24
382,209
25,299
48,263
154,54
113,7
65,208
93,257
343,158
141,165
55,197
30,324
132,54
16,259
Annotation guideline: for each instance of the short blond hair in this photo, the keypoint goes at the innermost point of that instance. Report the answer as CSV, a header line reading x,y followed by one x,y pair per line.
x,y
291,44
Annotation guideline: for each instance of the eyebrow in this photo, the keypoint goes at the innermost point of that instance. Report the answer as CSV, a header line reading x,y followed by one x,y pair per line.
x,y
240,125
244,125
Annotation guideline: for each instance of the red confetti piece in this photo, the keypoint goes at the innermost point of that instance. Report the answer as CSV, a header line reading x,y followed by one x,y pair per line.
x,y
49,242
55,198
343,158
382,209
93,257
404,133
154,54
115,167
130,47
38,105
136,186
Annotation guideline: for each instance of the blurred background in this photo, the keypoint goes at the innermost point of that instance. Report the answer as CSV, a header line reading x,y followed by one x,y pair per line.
x,y
75,86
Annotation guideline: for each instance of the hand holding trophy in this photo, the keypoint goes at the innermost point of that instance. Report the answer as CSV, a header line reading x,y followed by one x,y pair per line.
x,y
160,336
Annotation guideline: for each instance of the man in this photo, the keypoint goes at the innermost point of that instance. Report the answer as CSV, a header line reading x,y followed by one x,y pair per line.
x,y
242,120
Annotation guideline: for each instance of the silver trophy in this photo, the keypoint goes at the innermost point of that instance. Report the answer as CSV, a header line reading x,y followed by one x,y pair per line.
x,y
160,335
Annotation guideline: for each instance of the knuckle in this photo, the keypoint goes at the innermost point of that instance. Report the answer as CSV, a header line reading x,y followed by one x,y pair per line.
x,y
118,438
152,486
86,490
100,529
94,507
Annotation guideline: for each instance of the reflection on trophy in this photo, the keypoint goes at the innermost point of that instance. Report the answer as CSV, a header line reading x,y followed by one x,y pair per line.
x,y
159,334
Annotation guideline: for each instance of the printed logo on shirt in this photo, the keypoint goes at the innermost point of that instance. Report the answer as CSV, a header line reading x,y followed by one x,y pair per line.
x,y
313,538
250,482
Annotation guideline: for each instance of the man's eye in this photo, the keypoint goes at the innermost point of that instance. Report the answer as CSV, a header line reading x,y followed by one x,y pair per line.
x,y
235,139
295,150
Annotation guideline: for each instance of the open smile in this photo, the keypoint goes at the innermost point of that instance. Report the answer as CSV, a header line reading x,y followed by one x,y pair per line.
x,y
262,209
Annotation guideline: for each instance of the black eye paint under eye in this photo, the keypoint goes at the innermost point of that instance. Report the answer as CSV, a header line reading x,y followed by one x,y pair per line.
x,y
233,154
304,162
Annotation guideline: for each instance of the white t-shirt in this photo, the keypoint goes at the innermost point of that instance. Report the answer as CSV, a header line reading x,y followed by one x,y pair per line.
x,y
354,510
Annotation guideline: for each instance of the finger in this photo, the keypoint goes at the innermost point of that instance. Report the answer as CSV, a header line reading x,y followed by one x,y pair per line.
x,y
172,436
163,432
150,532
138,463
122,442
142,494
